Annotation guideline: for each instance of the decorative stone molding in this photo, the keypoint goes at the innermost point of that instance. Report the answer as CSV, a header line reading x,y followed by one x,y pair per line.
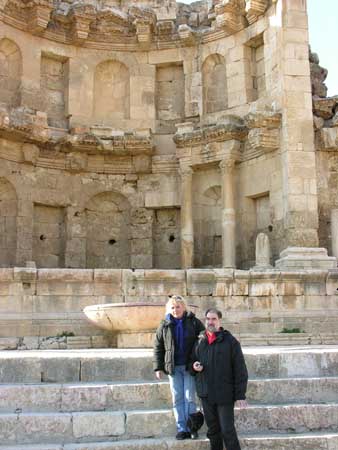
x,y
264,133
81,17
254,9
186,34
39,16
24,124
264,139
230,15
88,142
145,23
231,128
165,29
78,21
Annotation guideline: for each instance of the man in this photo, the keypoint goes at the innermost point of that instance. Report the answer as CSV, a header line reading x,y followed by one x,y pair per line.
x,y
221,380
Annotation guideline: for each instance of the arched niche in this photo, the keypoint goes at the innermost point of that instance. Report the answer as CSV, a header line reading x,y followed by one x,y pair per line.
x,y
107,231
111,92
10,72
208,227
214,79
8,227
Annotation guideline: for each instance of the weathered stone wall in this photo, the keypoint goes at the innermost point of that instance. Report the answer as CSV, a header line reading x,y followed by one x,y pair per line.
x,y
47,302
94,93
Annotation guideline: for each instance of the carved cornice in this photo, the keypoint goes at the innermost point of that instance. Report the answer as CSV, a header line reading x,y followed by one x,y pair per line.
x,y
255,9
231,129
264,133
24,125
230,15
90,25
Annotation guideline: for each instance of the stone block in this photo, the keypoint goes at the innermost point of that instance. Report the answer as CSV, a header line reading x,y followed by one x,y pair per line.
x,y
294,258
151,424
98,424
200,282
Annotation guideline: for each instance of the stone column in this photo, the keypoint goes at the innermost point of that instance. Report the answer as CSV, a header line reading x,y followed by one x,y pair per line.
x,y
228,213
334,232
187,228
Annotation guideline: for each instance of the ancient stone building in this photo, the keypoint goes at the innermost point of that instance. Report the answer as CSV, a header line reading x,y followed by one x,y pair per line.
x,y
152,134
156,135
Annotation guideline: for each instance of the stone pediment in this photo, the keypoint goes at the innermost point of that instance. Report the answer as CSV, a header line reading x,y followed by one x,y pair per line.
x,y
144,22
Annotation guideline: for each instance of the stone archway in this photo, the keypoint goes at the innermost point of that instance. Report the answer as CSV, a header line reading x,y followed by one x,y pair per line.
x,y
107,231
10,73
214,79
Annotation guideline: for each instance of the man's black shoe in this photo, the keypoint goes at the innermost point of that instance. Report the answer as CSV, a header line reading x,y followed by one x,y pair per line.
x,y
194,435
182,435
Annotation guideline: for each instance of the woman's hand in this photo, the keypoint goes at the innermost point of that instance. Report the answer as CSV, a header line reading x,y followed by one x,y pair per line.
x,y
159,374
197,366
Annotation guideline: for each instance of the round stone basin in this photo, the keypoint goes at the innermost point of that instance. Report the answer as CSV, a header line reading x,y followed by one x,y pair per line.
x,y
132,317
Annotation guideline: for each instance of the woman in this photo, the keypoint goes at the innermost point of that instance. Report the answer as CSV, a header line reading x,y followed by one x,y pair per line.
x,y
175,338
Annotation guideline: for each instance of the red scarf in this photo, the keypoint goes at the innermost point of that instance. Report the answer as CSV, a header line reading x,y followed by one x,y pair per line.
x,y
211,337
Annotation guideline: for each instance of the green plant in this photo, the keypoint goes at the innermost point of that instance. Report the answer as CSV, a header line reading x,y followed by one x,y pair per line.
x,y
292,330
65,334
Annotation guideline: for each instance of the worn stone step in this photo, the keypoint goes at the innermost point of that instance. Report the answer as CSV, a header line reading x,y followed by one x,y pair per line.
x,y
284,441
123,425
116,396
94,365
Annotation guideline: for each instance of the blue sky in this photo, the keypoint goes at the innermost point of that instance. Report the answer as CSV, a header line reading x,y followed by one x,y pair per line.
x,y
323,18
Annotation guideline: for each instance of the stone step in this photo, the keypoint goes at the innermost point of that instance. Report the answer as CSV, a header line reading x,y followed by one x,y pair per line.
x,y
95,365
283,441
116,396
39,428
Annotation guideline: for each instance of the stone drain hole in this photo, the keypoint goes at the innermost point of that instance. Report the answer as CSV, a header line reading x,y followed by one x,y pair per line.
x,y
112,241
172,238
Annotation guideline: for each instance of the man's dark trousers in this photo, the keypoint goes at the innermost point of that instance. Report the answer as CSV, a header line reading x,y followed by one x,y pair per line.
x,y
221,427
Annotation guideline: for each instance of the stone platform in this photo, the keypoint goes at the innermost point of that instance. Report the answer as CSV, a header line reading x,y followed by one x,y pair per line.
x,y
108,399
37,305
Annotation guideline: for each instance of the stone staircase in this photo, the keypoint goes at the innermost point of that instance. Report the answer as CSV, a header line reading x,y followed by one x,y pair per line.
x,y
108,400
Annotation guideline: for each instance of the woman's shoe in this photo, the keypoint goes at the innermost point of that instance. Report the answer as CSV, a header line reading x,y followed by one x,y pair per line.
x,y
181,435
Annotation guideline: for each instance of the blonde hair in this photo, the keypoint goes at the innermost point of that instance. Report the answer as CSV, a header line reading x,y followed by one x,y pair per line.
x,y
175,299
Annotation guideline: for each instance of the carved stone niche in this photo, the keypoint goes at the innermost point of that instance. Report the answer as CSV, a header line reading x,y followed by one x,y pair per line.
x,y
39,15
254,9
230,15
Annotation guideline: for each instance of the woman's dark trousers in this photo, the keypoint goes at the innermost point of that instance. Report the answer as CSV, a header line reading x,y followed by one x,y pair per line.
x,y
221,426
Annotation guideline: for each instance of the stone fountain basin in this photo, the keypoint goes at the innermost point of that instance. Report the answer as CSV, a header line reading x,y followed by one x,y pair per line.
x,y
126,317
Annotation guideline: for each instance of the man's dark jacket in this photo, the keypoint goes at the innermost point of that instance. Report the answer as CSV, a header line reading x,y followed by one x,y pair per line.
x,y
164,345
224,377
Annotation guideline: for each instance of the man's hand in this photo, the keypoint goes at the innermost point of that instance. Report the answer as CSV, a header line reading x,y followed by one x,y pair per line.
x,y
241,404
197,366
159,374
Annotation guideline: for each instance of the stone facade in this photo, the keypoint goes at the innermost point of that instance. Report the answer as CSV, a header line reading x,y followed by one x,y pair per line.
x,y
161,135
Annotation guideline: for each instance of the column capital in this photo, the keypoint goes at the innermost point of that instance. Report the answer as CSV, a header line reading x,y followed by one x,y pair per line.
x,y
228,163
186,171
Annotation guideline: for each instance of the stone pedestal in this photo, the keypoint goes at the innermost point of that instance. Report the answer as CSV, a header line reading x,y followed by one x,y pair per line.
x,y
297,258
262,252
228,213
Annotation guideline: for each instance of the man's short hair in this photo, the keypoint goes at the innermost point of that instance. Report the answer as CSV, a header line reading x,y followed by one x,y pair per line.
x,y
214,311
